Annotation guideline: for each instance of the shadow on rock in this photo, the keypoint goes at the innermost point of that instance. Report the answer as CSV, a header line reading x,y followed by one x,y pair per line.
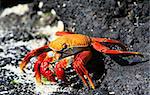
x,y
127,60
96,67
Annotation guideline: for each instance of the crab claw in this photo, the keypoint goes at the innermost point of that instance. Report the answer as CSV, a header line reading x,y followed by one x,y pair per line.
x,y
31,54
80,60
46,69
59,69
37,64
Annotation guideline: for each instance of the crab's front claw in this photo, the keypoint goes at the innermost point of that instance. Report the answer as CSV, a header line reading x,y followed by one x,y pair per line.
x,y
59,69
37,64
46,69
31,54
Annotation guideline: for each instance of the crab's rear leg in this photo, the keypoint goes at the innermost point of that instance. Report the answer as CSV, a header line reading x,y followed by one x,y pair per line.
x,y
101,48
31,54
111,41
63,33
80,60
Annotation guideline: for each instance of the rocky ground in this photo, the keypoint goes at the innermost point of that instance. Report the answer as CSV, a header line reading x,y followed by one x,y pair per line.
x,y
124,20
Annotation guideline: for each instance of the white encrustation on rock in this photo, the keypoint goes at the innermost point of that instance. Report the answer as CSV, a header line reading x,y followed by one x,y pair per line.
x,y
51,30
20,9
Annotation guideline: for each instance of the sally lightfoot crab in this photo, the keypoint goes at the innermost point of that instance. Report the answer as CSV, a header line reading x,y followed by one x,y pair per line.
x,y
70,44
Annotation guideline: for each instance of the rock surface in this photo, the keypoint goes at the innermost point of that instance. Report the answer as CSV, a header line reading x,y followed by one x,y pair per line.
x,y
124,20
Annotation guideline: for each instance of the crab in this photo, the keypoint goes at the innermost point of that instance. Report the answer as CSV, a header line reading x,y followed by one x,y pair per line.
x,y
70,44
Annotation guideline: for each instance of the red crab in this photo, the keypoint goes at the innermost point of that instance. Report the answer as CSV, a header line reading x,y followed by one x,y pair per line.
x,y
70,44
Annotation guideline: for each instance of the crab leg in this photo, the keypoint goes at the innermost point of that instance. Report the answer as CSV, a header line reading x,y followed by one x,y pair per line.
x,y
63,33
31,54
106,50
40,59
80,60
109,41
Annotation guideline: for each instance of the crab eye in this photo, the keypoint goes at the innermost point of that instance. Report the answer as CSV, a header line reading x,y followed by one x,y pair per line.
x,y
64,48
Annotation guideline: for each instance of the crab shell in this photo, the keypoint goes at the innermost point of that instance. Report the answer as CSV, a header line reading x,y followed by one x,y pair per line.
x,y
69,41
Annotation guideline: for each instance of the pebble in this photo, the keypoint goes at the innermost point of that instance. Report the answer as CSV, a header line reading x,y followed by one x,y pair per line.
x,y
111,93
40,5
3,92
53,12
64,5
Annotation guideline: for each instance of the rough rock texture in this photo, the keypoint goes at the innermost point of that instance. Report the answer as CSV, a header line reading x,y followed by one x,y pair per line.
x,y
124,20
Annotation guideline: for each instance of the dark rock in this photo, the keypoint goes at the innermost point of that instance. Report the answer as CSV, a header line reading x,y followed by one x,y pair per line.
x,y
1,50
5,61
127,21
5,3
